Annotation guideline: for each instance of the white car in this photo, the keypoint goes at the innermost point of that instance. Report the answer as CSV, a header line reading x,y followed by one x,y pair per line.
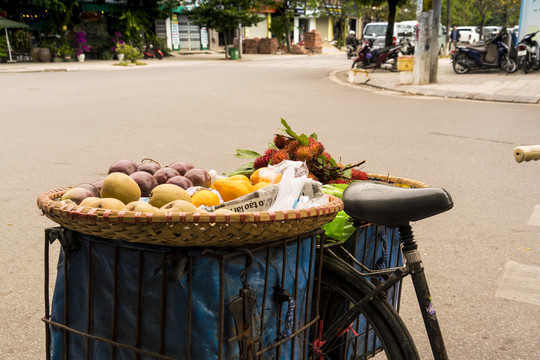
x,y
468,34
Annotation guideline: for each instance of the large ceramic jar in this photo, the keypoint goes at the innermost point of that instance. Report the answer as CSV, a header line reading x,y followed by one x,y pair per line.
x,y
44,55
34,53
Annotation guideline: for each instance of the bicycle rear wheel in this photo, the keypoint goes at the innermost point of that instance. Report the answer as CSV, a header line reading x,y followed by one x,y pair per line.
x,y
379,329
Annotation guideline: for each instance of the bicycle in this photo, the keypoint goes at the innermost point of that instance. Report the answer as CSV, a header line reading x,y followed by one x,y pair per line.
x,y
364,292
346,300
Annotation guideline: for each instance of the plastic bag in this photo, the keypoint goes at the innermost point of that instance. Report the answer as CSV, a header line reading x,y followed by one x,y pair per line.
x,y
340,228
290,189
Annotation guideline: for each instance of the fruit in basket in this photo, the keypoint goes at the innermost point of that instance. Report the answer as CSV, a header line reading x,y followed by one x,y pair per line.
x,y
76,194
164,174
180,206
230,189
260,185
149,165
103,203
124,166
145,180
141,206
165,193
120,186
182,167
98,184
89,186
266,175
181,181
205,197
199,177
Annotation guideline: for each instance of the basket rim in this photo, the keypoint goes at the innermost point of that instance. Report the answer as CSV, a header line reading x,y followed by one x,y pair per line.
x,y
48,203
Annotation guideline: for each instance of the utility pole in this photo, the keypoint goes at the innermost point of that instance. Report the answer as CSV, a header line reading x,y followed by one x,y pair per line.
x,y
426,53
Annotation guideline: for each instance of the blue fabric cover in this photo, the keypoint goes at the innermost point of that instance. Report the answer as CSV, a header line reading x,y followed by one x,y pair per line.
x,y
205,300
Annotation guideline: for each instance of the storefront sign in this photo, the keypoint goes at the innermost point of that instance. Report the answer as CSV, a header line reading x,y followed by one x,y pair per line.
x,y
529,19
204,38
175,32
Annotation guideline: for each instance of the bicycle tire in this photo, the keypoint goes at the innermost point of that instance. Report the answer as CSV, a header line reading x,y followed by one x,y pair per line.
x,y
340,283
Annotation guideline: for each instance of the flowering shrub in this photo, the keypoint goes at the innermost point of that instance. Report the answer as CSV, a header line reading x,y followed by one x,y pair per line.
x,y
80,43
117,42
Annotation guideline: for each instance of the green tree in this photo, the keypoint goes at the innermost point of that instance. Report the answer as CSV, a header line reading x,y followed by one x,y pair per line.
x,y
225,15
60,11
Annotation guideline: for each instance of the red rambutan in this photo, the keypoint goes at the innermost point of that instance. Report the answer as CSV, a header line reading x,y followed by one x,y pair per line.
x,y
280,141
291,147
303,153
279,156
316,146
359,175
261,161
338,181
270,151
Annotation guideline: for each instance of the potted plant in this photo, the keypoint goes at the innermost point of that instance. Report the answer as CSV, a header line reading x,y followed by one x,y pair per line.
x,y
80,46
65,51
120,50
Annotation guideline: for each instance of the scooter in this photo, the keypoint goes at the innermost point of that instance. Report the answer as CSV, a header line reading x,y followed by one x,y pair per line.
x,y
150,52
492,54
528,53
351,51
384,58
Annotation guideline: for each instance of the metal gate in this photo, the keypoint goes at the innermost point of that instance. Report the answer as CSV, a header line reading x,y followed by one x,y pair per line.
x,y
190,34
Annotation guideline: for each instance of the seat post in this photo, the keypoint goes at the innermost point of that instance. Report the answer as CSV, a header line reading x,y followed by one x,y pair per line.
x,y
414,263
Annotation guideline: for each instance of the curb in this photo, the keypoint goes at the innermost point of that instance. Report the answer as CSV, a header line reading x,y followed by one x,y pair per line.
x,y
341,76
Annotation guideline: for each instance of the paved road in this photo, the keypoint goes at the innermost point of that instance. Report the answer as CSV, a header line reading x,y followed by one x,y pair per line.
x,y
63,128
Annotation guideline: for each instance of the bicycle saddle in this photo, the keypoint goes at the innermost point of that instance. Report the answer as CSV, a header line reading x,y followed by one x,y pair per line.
x,y
383,204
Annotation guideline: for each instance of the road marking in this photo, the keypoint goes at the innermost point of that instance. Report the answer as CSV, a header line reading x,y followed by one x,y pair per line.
x,y
534,220
520,283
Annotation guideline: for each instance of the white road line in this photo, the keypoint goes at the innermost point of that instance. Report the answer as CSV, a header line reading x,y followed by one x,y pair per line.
x,y
520,283
534,220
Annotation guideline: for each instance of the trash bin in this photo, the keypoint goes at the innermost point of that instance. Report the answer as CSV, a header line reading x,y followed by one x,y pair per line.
x,y
233,53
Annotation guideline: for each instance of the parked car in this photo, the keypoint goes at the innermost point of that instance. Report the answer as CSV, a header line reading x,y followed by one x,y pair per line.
x,y
468,34
377,33
490,31
411,25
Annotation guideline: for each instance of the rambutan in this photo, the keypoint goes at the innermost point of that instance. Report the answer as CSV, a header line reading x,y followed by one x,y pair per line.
x,y
279,156
280,141
338,181
359,175
316,146
291,147
270,152
303,153
261,161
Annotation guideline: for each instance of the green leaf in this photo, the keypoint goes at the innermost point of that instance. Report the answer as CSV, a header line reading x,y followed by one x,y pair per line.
x,y
314,135
242,170
246,154
303,139
334,189
347,173
288,129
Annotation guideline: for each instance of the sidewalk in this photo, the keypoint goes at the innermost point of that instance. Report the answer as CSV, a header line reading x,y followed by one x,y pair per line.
x,y
494,85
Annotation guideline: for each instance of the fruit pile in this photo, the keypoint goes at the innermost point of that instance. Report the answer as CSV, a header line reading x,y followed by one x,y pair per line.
x,y
179,187
291,146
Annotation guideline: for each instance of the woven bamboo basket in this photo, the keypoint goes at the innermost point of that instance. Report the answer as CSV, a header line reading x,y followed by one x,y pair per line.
x,y
397,180
186,230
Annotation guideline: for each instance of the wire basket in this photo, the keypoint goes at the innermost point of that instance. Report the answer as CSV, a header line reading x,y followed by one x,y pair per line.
x,y
182,229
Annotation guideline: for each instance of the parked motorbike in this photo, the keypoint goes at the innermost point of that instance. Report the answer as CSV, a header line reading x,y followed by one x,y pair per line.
x,y
492,54
407,47
384,58
150,52
528,53
351,51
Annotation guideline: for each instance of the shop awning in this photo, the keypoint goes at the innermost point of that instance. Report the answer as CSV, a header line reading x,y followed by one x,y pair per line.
x,y
10,24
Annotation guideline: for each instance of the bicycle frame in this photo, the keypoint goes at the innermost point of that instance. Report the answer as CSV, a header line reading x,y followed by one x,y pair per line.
x,y
413,266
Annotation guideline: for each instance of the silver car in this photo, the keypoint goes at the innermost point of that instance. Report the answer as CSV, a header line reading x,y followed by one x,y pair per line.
x,y
377,32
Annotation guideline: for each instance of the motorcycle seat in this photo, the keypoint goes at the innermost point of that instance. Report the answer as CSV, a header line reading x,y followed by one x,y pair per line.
x,y
479,48
384,204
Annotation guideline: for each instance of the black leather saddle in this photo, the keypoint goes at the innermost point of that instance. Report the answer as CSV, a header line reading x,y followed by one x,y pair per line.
x,y
383,204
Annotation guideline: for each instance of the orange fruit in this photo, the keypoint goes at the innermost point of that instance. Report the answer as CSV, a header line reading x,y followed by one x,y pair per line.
x,y
204,197
239,177
264,174
231,189
260,185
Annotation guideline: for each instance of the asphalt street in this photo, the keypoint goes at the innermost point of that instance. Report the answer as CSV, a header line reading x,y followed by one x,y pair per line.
x,y
63,125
